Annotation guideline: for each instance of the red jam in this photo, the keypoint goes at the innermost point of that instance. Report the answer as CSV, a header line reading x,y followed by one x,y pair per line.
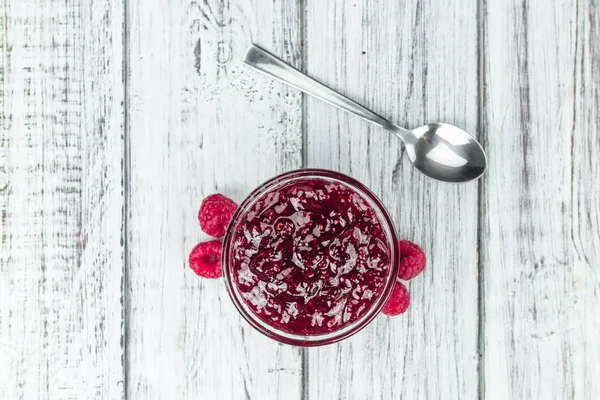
x,y
310,256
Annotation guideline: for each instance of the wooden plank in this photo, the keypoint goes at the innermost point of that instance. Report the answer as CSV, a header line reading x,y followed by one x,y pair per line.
x,y
201,122
61,260
415,62
541,202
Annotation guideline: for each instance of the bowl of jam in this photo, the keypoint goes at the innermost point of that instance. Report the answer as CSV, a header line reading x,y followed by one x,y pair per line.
x,y
310,257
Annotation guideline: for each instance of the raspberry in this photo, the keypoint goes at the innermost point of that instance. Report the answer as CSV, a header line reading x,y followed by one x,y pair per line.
x,y
398,301
215,213
205,259
412,260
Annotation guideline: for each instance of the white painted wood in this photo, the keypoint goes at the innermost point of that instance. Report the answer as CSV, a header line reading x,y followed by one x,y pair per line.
x,y
415,62
201,122
540,243
61,259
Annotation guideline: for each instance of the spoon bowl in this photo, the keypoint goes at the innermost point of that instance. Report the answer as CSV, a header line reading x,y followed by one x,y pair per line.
x,y
444,152
440,151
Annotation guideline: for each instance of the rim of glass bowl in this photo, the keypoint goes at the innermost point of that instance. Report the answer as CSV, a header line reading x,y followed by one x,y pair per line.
x,y
346,331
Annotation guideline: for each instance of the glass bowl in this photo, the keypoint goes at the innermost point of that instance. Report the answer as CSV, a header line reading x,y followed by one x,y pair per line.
x,y
346,330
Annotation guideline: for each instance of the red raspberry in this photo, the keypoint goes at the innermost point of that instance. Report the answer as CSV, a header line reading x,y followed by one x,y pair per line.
x,y
398,301
205,259
412,260
215,213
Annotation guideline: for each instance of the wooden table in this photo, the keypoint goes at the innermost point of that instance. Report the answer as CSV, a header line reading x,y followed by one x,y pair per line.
x,y
119,116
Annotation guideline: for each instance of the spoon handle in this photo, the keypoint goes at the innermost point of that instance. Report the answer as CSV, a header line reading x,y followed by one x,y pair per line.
x,y
268,64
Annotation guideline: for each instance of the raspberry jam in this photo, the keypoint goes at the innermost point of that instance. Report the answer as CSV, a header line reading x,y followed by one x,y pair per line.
x,y
310,256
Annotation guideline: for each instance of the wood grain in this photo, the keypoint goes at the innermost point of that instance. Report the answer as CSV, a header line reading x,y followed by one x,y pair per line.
x,y
415,62
106,152
61,260
201,122
541,231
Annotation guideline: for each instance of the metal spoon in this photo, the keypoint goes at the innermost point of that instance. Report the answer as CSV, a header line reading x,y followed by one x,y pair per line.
x,y
440,151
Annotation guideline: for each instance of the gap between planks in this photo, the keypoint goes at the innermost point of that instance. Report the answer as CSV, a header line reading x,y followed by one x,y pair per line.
x,y
126,173
482,137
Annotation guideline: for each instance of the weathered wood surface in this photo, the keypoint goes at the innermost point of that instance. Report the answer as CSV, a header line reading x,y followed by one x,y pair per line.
x,y
396,64
201,122
118,117
541,232
61,204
